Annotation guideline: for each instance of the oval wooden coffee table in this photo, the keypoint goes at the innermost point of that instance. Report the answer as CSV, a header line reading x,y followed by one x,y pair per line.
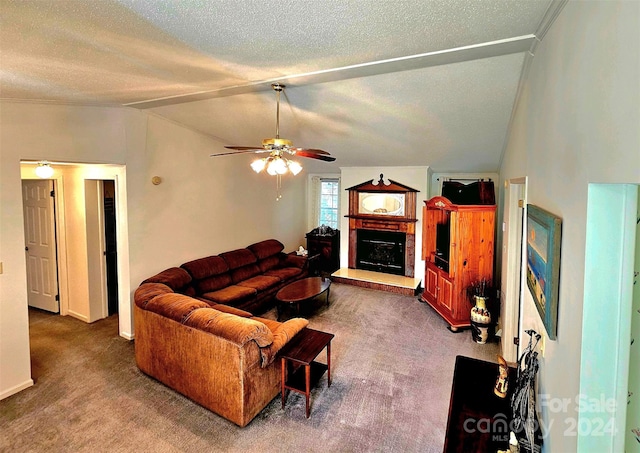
x,y
301,291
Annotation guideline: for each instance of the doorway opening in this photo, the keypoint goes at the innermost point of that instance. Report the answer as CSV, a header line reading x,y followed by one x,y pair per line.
x,y
111,245
92,247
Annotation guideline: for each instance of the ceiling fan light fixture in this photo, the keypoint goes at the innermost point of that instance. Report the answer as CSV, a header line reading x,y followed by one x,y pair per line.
x,y
277,166
258,165
271,169
294,167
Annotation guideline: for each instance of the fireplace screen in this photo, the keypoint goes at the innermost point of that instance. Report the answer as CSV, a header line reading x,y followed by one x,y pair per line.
x,y
381,251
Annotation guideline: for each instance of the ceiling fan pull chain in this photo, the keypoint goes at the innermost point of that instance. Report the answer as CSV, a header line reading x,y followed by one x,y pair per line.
x,y
278,187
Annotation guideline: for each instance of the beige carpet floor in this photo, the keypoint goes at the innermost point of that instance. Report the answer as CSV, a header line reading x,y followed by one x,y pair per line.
x,y
392,367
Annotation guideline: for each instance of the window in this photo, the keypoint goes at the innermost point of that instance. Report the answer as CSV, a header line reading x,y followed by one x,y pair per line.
x,y
329,198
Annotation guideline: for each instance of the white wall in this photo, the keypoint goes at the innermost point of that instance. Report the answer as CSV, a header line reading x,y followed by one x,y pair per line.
x,y
29,131
203,206
575,123
414,177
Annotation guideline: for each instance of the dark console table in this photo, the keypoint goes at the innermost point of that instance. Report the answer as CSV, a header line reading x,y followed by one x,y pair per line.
x,y
478,419
326,244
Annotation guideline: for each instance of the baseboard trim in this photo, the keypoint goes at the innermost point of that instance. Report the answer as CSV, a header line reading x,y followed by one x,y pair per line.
x,y
16,389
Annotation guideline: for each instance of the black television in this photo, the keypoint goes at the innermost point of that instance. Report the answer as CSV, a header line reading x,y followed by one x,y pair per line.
x,y
442,246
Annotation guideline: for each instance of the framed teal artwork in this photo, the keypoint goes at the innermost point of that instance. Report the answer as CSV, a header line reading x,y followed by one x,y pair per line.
x,y
543,264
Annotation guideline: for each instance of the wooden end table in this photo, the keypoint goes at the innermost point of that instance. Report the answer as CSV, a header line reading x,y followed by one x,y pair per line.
x,y
300,371
302,290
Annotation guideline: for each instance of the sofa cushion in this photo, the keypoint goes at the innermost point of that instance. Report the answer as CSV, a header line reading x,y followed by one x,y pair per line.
x,y
260,282
231,295
232,310
213,283
234,328
264,249
244,273
238,258
174,306
206,267
188,291
174,277
269,263
284,273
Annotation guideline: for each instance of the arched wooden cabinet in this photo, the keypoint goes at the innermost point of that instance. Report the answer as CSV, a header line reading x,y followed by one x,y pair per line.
x,y
457,246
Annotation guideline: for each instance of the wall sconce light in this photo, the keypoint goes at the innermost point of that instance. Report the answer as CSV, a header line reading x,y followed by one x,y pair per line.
x,y
44,170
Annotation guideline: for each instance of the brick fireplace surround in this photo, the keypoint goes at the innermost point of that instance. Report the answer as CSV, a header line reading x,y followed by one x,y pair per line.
x,y
393,210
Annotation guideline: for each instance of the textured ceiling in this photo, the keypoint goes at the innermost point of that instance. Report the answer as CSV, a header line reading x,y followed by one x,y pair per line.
x,y
374,82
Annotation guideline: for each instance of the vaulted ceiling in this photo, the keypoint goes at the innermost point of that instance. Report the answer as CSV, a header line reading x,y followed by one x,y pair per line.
x,y
374,82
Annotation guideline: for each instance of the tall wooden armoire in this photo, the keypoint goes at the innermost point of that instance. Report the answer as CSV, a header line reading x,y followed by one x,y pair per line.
x,y
458,249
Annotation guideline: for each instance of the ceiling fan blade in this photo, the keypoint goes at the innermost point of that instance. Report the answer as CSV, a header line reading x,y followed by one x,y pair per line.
x,y
309,150
277,146
315,156
242,151
245,148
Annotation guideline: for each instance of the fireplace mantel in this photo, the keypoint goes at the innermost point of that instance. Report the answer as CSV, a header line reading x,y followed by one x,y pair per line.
x,y
383,207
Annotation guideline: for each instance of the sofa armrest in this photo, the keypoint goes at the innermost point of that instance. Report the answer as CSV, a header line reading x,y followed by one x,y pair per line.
x,y
281,336
147,291
291,259
231,327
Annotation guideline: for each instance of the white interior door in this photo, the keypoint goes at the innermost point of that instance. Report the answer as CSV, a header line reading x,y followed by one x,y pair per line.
x,y
40,245
510,287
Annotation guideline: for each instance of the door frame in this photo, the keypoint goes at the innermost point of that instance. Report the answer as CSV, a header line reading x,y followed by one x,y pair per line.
x,y
61,244
512,269
117,174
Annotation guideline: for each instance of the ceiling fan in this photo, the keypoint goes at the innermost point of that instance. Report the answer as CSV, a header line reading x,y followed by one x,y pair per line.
x,y
277,162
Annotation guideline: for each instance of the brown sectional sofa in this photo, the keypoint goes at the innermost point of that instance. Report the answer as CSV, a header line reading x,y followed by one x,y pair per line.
x,y
217,354
247,278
